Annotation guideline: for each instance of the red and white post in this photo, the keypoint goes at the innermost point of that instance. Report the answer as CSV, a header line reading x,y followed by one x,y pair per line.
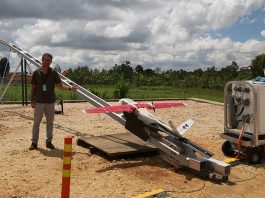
x,y
67,157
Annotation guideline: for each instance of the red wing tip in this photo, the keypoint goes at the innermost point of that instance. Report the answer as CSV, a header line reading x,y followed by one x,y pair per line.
x,y
181,104
88,111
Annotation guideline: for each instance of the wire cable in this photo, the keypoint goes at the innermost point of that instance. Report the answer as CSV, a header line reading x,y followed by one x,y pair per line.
x,y
250,176
66,129
189,191
239,141
5,69
194,190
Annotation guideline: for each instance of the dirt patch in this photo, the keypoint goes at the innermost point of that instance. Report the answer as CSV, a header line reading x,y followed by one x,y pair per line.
x,y
38,173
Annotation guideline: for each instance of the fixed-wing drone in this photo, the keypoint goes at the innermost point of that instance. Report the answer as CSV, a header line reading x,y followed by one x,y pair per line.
x,y
137,116
173,147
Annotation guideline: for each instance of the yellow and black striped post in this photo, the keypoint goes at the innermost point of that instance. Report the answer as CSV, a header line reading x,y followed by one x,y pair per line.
x,y
67,157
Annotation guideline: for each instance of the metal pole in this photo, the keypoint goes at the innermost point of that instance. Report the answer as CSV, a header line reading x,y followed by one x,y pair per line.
x,y
26,82
22,79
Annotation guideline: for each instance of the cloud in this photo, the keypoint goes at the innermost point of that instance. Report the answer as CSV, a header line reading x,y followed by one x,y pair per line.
x,y
153,33
262,33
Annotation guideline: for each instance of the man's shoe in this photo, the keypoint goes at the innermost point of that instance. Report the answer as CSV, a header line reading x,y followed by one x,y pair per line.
x,y
33,146
50,145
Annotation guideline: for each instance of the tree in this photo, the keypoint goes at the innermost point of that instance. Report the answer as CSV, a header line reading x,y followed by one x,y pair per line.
x,y
230,72
58,69
149,72
211,70
124,70
198,72
158,70
257,65
121,89
4,66
139,69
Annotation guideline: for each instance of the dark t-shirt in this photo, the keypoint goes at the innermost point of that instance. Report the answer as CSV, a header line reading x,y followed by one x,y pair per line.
x,y
45,85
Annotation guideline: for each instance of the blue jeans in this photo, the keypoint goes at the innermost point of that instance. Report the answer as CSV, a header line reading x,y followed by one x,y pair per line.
x,y
43,108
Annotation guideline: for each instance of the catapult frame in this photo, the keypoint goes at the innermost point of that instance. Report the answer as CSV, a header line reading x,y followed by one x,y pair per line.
x,y
177,151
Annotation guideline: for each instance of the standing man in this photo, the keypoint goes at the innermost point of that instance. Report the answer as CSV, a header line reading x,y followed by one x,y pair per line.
x,y
43,83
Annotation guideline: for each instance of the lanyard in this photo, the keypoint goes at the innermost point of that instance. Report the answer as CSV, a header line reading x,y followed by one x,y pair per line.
x,y
44,77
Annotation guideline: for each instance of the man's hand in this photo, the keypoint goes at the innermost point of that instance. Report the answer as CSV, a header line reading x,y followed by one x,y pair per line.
x,y
74,88
67,87
33,104
33,93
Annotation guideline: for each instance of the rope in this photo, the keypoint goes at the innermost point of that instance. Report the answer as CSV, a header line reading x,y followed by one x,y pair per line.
x,y
5,70
66,129
29,68
9,83
13,107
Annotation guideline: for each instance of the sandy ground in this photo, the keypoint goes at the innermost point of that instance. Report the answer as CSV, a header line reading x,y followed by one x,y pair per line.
x,y
38,173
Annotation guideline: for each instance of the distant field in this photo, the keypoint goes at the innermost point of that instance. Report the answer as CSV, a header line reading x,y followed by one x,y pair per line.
x,y
14,93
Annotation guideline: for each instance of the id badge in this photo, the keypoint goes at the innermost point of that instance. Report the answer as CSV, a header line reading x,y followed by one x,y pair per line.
x,y
44,87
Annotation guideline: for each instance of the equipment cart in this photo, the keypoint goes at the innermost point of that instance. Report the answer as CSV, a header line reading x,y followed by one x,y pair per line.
x,y
244,120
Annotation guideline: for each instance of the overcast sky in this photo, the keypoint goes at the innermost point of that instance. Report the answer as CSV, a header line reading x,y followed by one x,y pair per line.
x,y
169,34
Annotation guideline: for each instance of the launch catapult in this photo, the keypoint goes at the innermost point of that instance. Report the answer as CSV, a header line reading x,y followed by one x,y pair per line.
x,y
174,148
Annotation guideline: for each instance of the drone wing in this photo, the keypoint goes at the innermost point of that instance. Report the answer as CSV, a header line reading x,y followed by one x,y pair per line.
x,y
161,105
130,108
108,109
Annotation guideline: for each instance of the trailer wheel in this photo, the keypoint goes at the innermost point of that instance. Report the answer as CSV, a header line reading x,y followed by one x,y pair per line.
x,y
225,178
253,155
228,149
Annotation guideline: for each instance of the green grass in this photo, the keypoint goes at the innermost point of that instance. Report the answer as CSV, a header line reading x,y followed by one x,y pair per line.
x,y
14,93
170,92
